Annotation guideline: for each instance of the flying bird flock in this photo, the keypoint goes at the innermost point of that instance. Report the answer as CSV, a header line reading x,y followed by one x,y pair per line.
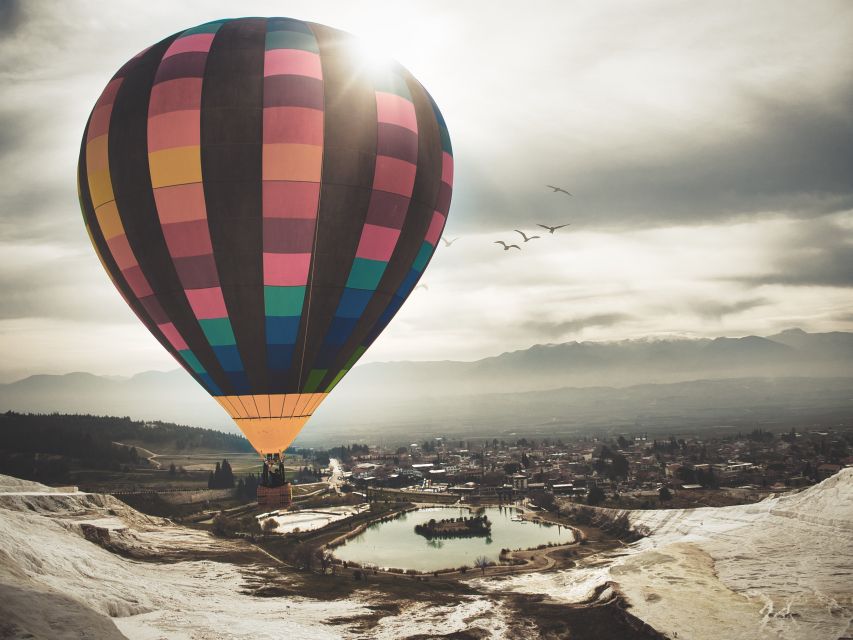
x,y
527,238
524,236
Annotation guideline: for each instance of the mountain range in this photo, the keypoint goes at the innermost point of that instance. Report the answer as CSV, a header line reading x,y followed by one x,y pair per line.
x,y
573,383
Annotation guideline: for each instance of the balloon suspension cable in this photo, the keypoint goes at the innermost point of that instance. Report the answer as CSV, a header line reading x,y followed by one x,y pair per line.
x,y
273,474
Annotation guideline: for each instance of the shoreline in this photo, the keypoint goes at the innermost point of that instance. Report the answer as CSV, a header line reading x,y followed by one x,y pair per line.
x,y
518,561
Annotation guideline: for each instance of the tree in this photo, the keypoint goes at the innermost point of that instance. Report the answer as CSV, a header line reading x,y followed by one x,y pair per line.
x,y
222,476
481,562
596,496
619,468
227,476
326,561
511,468
686,475
303,556
544,499
269,526
664,494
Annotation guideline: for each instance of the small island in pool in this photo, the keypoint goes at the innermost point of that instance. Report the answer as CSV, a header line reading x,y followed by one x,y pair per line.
x,y
455,528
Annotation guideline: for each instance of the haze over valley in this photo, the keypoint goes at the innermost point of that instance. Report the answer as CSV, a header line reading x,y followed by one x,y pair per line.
x,y
651,385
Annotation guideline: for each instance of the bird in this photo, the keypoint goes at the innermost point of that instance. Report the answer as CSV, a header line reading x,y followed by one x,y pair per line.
x,y
526,237
422,284
553,229
506,246
447,243
558,189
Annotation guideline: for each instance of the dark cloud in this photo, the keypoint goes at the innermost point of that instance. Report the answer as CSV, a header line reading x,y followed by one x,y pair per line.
x,y
38,200
830,266
816,253
14,125
61,287
561,328
37,211
715,310
796,159
12,16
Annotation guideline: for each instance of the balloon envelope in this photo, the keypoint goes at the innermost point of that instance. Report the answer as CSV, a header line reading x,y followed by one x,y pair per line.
x,y
264,202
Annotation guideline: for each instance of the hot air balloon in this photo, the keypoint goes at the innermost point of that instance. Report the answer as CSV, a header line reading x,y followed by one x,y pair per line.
x,y
264,202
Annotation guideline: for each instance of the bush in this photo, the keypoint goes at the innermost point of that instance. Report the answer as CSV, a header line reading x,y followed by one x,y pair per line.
x,y
596,496
303,556
224,527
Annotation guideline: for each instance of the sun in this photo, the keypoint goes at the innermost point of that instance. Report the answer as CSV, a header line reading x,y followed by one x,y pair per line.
x,y
371,55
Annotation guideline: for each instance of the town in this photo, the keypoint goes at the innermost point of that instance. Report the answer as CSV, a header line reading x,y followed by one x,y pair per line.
x,y
631,471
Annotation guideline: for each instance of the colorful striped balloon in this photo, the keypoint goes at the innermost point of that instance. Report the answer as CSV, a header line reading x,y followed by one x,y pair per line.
x,y
265,204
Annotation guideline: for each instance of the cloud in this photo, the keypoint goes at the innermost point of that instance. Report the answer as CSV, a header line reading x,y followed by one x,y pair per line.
x,y
53,282
716,310
813,253
707,148
562,328
795,157
12,16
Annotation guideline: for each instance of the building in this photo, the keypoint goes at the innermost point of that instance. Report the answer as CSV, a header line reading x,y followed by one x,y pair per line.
x,y
519,482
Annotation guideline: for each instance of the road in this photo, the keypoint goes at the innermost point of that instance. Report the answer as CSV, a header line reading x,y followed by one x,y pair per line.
x,y
145,453
337,477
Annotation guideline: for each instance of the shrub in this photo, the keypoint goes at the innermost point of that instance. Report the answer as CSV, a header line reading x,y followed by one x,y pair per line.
x,y
224,527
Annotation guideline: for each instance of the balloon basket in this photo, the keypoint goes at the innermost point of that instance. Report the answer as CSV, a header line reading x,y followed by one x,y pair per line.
x,y
275,497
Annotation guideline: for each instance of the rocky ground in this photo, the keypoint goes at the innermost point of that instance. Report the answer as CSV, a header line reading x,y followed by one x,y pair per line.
x,y
77,565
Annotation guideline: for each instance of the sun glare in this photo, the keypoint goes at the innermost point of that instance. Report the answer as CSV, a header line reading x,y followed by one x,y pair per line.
x,y
373,57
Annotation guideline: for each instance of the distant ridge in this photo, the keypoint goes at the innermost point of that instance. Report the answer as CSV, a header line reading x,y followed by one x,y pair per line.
x,y
402,392
616,364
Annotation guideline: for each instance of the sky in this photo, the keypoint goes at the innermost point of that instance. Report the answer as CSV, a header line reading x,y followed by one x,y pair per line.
x,y
708,148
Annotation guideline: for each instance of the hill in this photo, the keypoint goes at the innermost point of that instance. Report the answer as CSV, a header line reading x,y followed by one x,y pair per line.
x,y
48,447
645,382
764,571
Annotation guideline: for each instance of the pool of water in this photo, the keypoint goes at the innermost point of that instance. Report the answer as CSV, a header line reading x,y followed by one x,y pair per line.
x,y
395,544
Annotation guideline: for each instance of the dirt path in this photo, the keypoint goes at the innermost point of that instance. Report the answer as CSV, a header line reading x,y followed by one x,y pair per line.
x,y
146,453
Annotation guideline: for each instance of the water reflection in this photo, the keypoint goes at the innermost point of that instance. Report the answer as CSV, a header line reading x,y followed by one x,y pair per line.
x,y
395,544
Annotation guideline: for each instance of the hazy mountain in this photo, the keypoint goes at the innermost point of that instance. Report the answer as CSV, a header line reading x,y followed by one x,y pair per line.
x,y
551,386
153,395
580,364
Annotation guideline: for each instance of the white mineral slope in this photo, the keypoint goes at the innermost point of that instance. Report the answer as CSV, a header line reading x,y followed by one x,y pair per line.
x,y
79,565
56,583
781,568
